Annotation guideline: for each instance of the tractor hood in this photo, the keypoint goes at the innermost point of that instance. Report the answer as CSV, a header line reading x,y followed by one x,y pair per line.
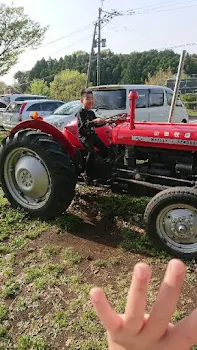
x,y
158,135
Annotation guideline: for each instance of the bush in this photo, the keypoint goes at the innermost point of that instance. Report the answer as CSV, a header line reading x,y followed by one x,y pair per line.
x,y
188,98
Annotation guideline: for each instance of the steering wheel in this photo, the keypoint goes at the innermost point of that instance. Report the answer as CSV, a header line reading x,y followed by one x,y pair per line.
x,y
115,118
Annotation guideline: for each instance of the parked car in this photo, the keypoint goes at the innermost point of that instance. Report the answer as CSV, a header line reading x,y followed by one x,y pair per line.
x,y
19,111
5,100
64,114
1,116
153,104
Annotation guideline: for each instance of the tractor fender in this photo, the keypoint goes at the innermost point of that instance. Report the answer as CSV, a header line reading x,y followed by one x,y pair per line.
x,y
47,128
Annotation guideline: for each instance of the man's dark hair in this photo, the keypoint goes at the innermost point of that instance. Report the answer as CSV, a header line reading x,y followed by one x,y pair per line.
x,y
86,92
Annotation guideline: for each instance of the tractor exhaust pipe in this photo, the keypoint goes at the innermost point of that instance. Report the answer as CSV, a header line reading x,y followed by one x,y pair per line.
x,y
133,96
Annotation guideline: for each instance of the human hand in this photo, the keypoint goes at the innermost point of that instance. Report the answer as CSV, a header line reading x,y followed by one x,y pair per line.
x,y
137,331
99,121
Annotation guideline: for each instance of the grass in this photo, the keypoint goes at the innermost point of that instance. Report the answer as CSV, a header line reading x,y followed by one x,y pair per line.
x,y
27,342
121,206
47,273
3,134
3,312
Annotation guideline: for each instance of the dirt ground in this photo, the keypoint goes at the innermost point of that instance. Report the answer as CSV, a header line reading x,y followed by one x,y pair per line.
x,y
48,268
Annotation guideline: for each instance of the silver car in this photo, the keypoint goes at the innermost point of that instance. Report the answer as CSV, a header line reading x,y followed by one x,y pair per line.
x,y
20,111
64,114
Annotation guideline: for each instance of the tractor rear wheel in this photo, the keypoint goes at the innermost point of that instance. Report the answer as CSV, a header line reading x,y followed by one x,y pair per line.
x,y
171,219
36,173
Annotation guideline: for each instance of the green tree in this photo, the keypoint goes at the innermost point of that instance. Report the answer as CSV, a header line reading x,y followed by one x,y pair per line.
x,y
133,68
161,77
67,85
22,79
39,87
17,32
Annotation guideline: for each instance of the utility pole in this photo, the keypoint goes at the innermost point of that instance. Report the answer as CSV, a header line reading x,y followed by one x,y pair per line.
x,y
99,48
177,84
91,56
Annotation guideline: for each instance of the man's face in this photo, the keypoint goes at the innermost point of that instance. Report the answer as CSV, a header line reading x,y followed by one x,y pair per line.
x,y
88,101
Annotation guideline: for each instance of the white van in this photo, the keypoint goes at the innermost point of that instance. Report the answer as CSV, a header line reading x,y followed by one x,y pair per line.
x,y
153,104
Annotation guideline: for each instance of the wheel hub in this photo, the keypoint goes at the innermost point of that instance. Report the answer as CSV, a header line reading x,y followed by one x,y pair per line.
x,y
178,224
25,179
31,177
182,229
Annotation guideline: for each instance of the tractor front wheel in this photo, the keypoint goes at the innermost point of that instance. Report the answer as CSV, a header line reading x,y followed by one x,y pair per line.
x,y
171,219
36,173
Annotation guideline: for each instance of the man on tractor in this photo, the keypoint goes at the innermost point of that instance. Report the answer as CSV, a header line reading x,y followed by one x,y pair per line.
x,y
87,122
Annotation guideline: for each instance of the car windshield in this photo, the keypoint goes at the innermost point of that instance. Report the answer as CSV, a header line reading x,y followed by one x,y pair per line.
x,y
110,99
68,108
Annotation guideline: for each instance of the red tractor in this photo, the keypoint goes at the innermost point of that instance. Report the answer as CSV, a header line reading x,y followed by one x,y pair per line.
x,y
40,166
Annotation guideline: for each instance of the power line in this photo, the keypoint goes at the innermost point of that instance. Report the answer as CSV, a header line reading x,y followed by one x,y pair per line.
x,y
63,48
161,7
151,40
162,4
164,10
163,48
65,36
179,46
73,44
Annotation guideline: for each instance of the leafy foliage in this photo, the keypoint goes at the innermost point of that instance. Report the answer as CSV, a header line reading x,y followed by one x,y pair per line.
x,y
190,102
17,32
133,68
67,85
161,77
189,97
39,87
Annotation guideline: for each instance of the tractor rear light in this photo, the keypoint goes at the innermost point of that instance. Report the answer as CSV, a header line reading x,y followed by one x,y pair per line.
x,y
22,108
35,116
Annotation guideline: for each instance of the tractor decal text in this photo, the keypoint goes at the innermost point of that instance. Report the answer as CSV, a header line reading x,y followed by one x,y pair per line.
x,y
156,133
163,140
166,133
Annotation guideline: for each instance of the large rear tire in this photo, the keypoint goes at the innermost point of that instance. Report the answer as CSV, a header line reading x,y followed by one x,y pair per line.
x,y
171,220
36,173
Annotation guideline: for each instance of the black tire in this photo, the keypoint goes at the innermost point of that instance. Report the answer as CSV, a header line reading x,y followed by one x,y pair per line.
x,y
184,121
57,165
162,236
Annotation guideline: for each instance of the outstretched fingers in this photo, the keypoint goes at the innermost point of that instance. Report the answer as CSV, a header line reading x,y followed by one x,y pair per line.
x,y
166,300
136,303
109,318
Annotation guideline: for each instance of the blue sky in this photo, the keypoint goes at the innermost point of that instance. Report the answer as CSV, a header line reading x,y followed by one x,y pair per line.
x,y
155,25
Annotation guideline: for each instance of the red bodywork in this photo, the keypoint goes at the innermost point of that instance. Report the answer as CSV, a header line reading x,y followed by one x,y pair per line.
x,y
72,134
47,128
69,137
174,136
